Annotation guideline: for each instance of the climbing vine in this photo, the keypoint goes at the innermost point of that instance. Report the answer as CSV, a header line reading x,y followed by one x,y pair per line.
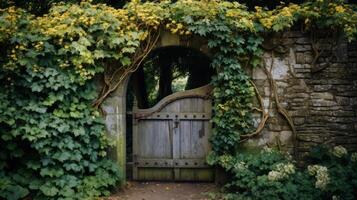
x,y
52,134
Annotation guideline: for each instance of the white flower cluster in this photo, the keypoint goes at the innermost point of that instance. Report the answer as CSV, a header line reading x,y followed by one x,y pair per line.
x,y
282,171
339,151
288,156
334,197
267,149
240,166
321,175
354,157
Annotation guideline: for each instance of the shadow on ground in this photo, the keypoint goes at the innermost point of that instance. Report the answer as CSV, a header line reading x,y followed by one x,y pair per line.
x,y
165,191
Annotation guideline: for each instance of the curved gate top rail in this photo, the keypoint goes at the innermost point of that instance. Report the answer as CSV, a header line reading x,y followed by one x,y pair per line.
x,y
203,92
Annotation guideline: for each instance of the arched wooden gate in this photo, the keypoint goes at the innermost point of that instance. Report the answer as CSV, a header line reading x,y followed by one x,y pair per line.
x,y
170,140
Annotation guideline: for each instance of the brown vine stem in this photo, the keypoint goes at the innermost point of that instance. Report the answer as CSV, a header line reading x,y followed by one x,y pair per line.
x,y
279,107
137,62
314,43
265,115
318,50
137,57
108,81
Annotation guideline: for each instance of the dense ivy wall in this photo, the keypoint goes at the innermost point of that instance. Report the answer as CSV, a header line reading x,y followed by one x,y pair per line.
x,y
55,140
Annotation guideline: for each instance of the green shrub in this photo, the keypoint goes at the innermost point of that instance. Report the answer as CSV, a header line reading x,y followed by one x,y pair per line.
x,y
341,167
328,174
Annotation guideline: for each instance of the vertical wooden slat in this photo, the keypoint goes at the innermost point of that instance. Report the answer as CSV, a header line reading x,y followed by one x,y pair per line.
x,y
135,140
176,148
175,107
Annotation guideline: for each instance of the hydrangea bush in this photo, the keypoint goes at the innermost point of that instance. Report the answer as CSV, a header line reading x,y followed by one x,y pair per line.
x,y
329,173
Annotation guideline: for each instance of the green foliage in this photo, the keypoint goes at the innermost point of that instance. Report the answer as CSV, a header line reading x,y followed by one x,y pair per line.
x,y
40,7
10,189
53,139
231,46
250,179
272,175
341,168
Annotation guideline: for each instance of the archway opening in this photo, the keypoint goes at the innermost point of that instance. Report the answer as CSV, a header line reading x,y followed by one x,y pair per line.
x,y
165,71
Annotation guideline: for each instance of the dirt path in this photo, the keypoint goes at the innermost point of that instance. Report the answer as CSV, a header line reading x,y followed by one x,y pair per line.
x,y
164,191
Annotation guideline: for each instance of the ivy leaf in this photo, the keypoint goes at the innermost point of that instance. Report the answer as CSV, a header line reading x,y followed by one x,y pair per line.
x,y
62,156
67,192
51,172
14,192
79,131
49,190
125,61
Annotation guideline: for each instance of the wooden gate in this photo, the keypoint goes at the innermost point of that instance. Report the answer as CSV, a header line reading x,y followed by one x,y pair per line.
x,y
170,140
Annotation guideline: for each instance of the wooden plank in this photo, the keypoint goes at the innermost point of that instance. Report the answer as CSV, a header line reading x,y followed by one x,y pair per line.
x,y
189,174
171,111
135,140
198,138
176,138
154,139
208,124
184,140
155,174
185,130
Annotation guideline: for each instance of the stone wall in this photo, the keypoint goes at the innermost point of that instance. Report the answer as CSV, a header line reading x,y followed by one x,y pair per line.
x,y
321,98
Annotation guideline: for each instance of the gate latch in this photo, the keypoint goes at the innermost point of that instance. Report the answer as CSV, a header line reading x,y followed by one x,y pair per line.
x,y
176,122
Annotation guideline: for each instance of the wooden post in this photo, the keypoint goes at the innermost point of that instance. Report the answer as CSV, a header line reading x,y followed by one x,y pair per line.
x,y
135,140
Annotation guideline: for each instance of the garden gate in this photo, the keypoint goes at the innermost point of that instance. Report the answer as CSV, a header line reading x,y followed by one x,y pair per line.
x,y
170,140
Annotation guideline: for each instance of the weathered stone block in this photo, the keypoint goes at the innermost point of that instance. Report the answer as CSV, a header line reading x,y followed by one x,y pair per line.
x,y
311,137
288,41
298,113
286,137
267,91
298,66
293,34
322,95
303,47
302,70
322,88
308,57
343,100
303,40
344,113
298,95
296,89
299,120
112,105
330,108
300,58
323,103
259,74
280,70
